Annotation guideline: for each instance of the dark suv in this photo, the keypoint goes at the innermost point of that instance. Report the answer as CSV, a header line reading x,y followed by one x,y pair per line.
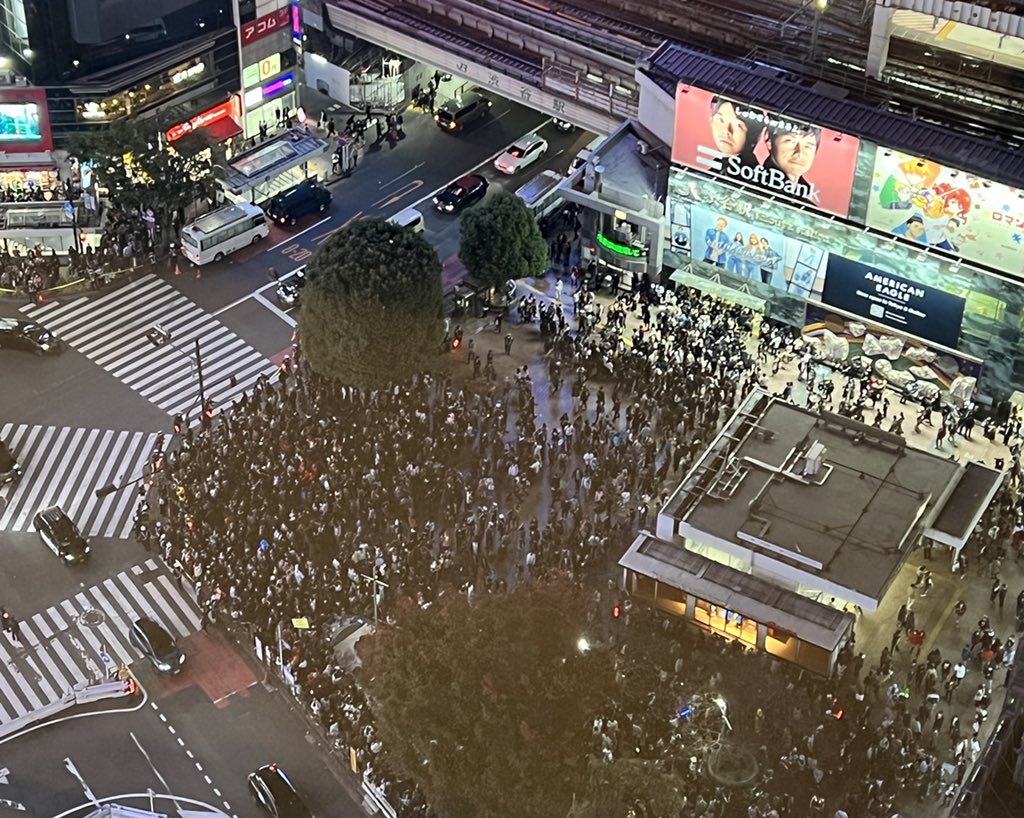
x,y
301,200
274,791
61,535
454,116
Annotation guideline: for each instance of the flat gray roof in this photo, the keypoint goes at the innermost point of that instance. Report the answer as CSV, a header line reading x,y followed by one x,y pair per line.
x,y
750,596
852,524
968,501
672,63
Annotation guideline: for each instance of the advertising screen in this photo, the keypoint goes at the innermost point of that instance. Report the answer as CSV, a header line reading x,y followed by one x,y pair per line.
x,y
896,302
752,252
19,122
942,207
760,147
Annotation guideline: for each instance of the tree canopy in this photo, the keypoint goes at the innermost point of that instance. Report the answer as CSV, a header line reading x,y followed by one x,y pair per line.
x,y
132,159
488,705
500,240
371,308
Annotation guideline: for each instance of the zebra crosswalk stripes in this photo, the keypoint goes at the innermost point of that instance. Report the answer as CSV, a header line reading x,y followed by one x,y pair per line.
x,y
63,466
111,332
79,639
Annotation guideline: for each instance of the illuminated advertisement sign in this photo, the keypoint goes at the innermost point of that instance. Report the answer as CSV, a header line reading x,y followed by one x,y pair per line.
x,y
225,109
930,204
751,144
261,27
24,124
757,254
894,301
296,23
277,86
264,69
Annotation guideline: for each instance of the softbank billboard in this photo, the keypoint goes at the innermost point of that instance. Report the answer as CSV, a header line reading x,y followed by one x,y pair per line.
x,y
751,144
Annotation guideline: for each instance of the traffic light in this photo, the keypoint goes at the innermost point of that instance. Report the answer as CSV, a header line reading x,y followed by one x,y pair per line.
x,y
457,337
616,612
179,424
207,418
157,457
8,620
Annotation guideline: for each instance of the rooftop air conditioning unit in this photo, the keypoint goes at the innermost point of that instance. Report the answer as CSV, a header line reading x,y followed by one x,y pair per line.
x,y
813,459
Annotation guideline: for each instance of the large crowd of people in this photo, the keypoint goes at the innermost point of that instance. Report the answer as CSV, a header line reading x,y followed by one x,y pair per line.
x,y
305,495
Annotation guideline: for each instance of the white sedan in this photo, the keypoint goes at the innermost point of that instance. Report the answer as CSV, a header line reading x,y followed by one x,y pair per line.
x,y
523,152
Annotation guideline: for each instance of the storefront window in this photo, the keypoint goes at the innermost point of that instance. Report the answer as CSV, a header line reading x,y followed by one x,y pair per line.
x,y
146,94
726,622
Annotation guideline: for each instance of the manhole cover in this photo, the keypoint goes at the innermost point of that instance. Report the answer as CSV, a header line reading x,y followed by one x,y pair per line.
x,y
91,618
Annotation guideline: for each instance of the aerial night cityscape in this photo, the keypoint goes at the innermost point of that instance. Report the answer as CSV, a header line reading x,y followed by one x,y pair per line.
x,y
511,408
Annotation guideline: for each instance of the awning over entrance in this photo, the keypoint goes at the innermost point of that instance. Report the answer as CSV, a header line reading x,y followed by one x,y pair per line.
x,y
223,129
965,506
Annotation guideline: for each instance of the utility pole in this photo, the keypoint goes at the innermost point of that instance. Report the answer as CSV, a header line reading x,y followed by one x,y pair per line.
x,y
199,373
377,584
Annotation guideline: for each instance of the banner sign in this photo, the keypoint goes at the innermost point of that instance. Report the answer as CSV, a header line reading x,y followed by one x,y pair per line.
x,y
261,27
751,144
946,208
896,302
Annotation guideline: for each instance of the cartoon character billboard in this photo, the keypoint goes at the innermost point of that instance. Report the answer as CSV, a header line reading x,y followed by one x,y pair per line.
x,y
946,208
757,146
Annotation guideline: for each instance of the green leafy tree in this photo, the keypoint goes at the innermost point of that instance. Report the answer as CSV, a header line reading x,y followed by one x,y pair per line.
x,y
134,162
501,240
488,706
371,307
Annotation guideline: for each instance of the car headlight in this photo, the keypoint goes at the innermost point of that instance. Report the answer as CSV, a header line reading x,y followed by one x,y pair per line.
x,y
69,557
451,125
163,666
88,549
181,659
449,207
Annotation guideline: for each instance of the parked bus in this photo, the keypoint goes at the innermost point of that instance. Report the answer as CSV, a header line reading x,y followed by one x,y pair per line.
x,y
541,195
215,235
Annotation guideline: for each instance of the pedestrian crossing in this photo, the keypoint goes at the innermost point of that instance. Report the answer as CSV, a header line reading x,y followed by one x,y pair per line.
x,y
63,466
82,638
111,332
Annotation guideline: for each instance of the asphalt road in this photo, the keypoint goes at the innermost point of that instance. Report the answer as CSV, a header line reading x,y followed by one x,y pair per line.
x,y
178,742
80,427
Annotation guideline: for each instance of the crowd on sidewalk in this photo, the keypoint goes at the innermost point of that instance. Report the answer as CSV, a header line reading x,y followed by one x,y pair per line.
x,y
305,493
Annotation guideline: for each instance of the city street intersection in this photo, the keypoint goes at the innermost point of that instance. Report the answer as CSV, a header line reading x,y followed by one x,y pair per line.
x,y
89,418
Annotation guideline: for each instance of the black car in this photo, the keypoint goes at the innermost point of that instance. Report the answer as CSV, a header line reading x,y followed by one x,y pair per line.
x,y
276,794
10,469
301,200
15,334
460,193
61,535
455,115
156,644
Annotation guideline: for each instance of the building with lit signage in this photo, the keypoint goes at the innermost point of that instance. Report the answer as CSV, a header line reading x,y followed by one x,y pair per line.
x,y
856,225
268,40
174,56
791,516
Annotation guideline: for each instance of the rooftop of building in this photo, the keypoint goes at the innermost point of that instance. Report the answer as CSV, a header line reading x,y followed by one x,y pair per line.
x,y
673,63
824,494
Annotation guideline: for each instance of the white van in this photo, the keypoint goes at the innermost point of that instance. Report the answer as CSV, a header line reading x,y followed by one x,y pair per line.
x,y
408,219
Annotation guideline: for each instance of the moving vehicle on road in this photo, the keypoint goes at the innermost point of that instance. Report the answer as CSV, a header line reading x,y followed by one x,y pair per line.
x,y
540,195
305,198
460,193
15,334
409,219
155,642
217,234
455,115
10,468
289,290
61,535
274,791
522,153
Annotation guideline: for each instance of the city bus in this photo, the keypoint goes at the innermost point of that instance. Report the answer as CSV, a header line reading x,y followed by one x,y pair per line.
x,y
215,235
541,195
